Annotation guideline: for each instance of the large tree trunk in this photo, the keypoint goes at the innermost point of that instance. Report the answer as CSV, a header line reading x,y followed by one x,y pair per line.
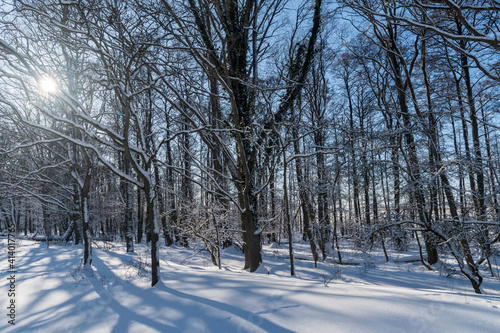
x,y
242,109
251,235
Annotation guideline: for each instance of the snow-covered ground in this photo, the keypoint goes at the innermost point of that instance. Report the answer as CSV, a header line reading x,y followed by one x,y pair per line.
x,y
53,294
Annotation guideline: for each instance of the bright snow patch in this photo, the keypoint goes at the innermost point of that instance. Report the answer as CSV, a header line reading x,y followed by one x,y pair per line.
x,y
54,295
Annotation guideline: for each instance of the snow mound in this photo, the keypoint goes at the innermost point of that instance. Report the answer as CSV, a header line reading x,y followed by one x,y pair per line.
x,y
261,270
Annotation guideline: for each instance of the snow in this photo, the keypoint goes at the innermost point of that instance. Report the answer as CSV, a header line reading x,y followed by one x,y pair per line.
x,y
55,294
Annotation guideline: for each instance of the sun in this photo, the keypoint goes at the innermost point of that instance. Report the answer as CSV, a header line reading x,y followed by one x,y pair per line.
x,y
48,85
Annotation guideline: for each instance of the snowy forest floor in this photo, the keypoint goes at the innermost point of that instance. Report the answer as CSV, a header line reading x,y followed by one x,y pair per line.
x,y
55,294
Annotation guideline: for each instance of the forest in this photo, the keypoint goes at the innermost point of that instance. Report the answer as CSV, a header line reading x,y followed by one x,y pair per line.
x,y
243,123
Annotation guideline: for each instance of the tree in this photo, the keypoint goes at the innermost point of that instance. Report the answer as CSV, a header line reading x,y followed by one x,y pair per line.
x,y
228,46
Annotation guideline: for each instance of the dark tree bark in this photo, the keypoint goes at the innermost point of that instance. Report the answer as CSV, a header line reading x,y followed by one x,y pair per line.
x,y
477,161
394,56
306,205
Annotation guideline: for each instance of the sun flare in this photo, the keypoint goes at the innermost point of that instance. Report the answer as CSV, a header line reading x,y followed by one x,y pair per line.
x,y
48,85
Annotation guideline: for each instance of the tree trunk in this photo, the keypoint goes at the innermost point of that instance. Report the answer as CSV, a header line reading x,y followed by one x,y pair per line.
x,y
477,162
394,57
304,198
128,226
154,230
